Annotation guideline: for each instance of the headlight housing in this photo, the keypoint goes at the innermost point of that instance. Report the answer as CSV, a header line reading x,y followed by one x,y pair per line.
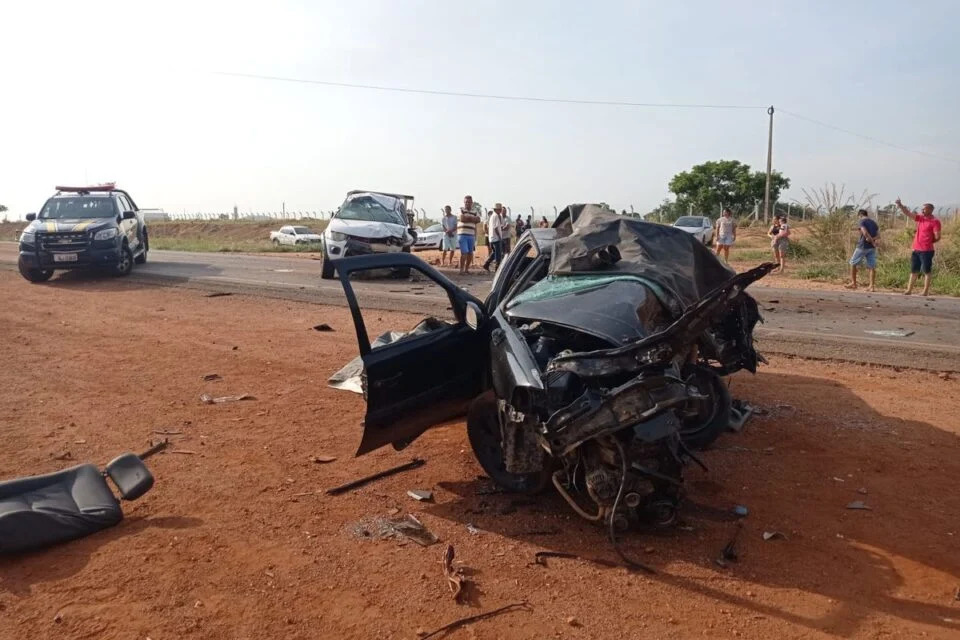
x,y
105,234
28,237
336,236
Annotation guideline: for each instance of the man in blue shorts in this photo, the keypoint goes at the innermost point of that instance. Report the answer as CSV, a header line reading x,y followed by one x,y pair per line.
x,y
866,251
467,233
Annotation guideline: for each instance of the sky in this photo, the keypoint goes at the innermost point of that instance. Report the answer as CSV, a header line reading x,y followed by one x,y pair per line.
x,y
131,92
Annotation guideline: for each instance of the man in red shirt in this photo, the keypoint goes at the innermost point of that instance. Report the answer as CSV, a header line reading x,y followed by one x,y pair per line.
x,y
928,234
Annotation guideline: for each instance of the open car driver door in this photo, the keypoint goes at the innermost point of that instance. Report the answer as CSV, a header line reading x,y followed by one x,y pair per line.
x,y
421,378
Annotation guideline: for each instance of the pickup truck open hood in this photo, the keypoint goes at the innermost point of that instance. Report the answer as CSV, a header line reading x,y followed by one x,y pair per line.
x,y
367,228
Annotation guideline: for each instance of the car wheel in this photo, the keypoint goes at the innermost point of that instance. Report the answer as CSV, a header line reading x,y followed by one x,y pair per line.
x,y
705,420
142,258
276,242
34,275
125,263
328,270
483,431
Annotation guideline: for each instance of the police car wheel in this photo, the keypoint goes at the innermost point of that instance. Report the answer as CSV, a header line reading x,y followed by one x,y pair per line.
x,y
34,275
125,264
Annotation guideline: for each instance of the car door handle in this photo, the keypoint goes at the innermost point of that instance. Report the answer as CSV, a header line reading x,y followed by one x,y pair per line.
x,y
388,380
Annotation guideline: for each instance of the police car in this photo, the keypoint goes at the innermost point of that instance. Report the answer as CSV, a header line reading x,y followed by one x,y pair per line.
x,y
97,227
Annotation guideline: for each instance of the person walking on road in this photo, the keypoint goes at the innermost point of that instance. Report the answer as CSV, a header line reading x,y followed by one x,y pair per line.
x,y
780,241
448,243
726,233
866,251
496,224
924,245
467,233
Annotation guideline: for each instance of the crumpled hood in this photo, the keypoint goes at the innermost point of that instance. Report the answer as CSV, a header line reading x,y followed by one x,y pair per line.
x,y
70,225
367,228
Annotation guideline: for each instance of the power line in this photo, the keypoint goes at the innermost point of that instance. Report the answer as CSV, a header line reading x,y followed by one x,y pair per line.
x,y
870,138
541,99
486,96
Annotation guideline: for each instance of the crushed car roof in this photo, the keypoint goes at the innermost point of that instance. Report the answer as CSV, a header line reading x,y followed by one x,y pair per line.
x,y
592,239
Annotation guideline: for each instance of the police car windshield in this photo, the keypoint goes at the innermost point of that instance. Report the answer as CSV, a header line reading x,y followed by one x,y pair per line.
x,y
78,207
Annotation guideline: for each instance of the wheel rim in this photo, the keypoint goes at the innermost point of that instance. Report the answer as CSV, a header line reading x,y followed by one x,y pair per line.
x,y
124,261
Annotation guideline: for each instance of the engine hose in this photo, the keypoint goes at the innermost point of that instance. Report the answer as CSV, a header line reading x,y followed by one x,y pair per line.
x,y
572,503
616,503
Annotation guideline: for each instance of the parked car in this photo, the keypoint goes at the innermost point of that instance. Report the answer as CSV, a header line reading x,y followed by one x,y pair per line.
x,y
701,227
594,364
293,235
430,238
97,227
368,222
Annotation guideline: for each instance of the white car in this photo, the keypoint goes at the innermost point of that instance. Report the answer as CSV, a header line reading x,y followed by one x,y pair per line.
x,y
699,226
294,235
430,238
367,222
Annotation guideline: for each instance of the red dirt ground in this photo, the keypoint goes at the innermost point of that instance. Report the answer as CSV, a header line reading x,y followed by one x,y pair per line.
x,y
223,547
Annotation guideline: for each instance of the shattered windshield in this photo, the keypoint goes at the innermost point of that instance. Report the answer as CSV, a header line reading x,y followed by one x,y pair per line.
x,y
77,207
373,208
557,286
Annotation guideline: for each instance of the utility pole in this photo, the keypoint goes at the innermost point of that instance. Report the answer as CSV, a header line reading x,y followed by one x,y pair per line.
x,y
766,191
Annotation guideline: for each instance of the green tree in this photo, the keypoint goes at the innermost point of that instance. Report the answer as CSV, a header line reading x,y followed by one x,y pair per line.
x,y
726,183
666,211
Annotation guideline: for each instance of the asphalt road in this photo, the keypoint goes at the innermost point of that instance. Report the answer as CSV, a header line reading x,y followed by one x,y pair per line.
x,y
812,324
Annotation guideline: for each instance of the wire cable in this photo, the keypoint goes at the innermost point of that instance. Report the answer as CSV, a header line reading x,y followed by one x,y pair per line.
x,y
486,96
865,137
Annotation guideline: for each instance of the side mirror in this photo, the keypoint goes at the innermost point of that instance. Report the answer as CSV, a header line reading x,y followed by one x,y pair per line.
x,y
474,315
31,217
129,215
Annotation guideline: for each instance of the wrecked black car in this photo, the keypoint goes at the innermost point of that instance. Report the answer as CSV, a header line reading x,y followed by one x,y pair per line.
x,y
594,364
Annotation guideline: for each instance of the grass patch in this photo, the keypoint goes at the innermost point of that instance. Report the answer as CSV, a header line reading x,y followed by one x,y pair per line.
x,y
213,245
823,272
752,255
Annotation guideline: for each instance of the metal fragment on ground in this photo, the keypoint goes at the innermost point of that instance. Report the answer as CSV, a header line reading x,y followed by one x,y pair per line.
x,y
741,511
322,459
890,333
208,399
858,504
773,535
421,495
410,527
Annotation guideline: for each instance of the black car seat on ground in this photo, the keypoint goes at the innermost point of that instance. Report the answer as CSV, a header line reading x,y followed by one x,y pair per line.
x,y
40,511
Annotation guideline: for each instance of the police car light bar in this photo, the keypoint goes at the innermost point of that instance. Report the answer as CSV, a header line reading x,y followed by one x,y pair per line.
x,y
106,186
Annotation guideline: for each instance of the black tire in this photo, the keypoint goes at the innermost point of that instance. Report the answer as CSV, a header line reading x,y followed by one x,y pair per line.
x,y
328,270
483,431
35,276
276,242
142,258
124,266
707,419
403,272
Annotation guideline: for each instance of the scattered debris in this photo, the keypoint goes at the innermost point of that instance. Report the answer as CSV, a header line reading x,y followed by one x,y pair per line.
x,y
413,464
773,535
58,618
455,578
307,493
836,479
79,442
323,326
740,412
394,511
184,451
421,495
472,529
890,333
322,459
741,511
729,551
218,294
212,377
208,399
862,491
66,455
456,624
410,527
858,504
573,622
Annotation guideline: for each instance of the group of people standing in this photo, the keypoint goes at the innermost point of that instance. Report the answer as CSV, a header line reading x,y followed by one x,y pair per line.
x,y
865,254
460,233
